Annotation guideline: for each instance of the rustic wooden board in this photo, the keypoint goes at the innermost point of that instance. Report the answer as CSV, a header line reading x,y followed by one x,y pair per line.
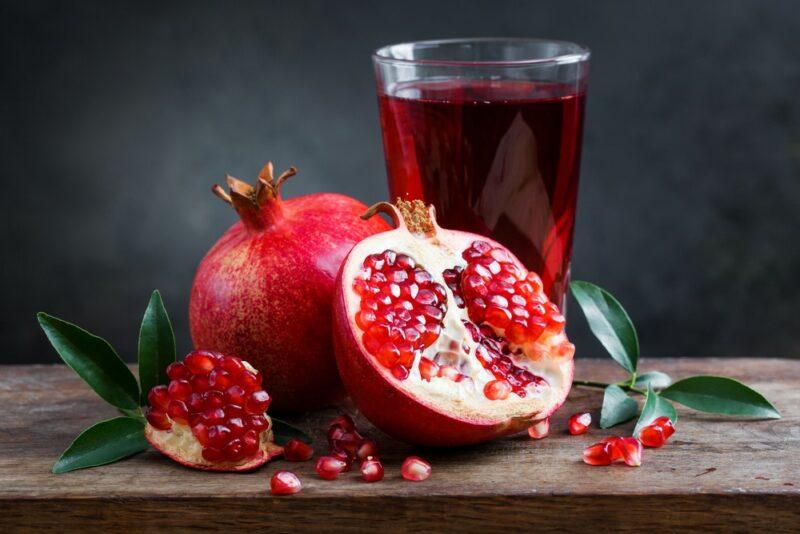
x,y
716,472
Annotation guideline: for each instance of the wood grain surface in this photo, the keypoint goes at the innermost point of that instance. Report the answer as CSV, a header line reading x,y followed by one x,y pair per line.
x,y
715,473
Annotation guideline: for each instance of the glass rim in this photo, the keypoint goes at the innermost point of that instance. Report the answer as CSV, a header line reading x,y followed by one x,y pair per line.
x,y
581,53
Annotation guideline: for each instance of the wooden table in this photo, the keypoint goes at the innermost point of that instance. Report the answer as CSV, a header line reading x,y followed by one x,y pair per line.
x,y
715,472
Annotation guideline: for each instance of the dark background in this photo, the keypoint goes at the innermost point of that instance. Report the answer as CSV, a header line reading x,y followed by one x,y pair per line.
x,y
117,117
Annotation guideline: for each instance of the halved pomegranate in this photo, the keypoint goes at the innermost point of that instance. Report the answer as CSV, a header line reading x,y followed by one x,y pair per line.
x,y
212,415
443,337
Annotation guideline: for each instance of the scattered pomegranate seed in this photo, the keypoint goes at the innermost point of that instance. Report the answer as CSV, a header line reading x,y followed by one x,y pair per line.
x,y
297,451
652,436
371,469
497,390
415,469
329,467
579,423
284,483
367,448
598,454
616,451
631,450
667,427
539,429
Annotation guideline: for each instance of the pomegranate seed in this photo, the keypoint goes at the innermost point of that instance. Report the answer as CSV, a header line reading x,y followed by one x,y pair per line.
x,y
667,427
218,435
233,450
367,448
257,402
236,425
329,467
448,371
213,454
177,411
598,454
371,469
158,419
200,432
427,369
415,469
199,383
652,436
213,416
159,397
233,365
176,371
497,390
616,448
249,381
235,395
344,421
631,450
540,429
199,362
297,451
250,443
212,399
219,379
284,483
399,372
179,389
256,422
579,423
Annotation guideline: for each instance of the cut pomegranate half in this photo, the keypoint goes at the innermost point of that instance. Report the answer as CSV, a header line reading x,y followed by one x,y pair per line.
x,y
212,415
443,337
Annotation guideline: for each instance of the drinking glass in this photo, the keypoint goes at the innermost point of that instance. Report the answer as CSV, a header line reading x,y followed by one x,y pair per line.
x,y
489,131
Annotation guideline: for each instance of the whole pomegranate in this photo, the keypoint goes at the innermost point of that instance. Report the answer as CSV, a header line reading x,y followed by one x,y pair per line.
x,y
264,290
443,337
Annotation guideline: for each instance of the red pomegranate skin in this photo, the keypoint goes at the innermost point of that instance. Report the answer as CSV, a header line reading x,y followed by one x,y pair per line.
x,y
264,293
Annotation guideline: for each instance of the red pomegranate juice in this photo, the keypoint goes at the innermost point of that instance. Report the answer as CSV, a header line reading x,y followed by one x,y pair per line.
x,y
498,158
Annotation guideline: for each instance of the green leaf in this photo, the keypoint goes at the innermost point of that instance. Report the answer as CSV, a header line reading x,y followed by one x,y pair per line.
x,y
719,394
156,346
103,443
283,432
609,323
618,407
654,407
94,360
657,379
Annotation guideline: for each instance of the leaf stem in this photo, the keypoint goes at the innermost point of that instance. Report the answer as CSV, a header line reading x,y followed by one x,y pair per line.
x,y
603,385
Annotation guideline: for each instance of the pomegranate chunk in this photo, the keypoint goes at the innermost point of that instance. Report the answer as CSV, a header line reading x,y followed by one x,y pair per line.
x,y
371,469
297,451
415,469
284,483
221,403
579,423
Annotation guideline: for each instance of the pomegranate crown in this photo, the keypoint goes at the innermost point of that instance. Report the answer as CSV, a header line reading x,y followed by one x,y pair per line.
x,y
412,214
257,206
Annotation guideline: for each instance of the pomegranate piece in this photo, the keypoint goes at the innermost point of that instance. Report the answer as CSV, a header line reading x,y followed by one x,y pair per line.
x,y
195,421
284,483
415,469
579,423
540,429
599,454
329,467
444,337
371,469
284,326
296,451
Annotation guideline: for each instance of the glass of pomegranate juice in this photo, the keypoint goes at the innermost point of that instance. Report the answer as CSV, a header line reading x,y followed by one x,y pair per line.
x,y
489,132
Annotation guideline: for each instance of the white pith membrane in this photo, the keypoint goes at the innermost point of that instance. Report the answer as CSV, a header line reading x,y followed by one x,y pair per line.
x,y
179,441
436,252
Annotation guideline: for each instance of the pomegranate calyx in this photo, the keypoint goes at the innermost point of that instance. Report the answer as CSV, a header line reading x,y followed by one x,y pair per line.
x,y
258,207
411,214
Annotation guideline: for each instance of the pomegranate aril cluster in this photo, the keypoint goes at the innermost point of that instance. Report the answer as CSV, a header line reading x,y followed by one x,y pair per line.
x,y
497,292
614,449
347,446
219,399
401,309
494,354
